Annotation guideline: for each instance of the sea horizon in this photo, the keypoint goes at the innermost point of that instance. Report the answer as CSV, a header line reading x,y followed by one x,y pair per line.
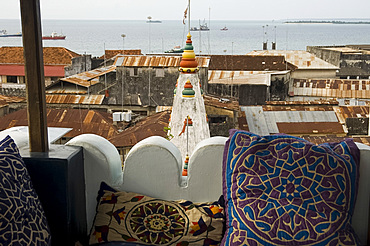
x,y
242,36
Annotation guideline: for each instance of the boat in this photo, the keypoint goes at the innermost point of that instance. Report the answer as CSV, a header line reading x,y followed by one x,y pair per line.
x,y
4,34
203,27
54,36
176,49
153,21
224,29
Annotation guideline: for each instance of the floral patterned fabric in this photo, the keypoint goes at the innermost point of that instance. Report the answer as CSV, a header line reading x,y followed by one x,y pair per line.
x,y
22,218
283,190
131,217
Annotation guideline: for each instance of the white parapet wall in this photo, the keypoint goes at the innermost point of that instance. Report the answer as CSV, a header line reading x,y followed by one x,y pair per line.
x,y
153,167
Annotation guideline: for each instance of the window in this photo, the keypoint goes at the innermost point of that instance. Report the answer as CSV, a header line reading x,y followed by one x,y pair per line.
x,y
159,72
134,71
11,79
217,119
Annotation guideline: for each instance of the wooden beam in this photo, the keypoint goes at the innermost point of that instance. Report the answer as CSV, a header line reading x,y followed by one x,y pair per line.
x,y
34,70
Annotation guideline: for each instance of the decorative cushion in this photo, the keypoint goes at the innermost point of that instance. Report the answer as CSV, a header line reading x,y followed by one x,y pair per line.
x,y
284,190
22,218
131,217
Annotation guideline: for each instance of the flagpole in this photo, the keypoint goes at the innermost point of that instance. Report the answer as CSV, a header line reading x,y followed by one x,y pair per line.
x,y
189,16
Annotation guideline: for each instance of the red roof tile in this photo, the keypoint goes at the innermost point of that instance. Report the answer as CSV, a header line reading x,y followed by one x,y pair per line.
x,y
52,55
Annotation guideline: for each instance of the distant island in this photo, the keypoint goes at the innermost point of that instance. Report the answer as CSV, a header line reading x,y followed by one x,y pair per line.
x,y
328,22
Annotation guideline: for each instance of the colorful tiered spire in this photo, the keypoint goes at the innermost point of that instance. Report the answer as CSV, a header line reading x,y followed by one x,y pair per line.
x,y
175,90
185,170
188,90
188,63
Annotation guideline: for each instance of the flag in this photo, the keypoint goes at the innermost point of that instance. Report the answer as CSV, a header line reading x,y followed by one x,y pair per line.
x,y
185,13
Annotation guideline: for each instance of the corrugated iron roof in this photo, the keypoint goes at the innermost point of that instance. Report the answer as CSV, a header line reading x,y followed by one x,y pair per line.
x,y
268,122
52,55
299,58
80,120
240,77
334,88
344,112
335,139
75,99
11,99
249,63
292,104
313,128
155,61
150,126
112,53
89,78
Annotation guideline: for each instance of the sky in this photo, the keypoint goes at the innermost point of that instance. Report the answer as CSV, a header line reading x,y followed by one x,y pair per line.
x,y
200,9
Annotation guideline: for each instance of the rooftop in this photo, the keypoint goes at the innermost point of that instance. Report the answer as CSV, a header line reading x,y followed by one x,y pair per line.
x,y
249,63
156,61
52,55
80,120
299,58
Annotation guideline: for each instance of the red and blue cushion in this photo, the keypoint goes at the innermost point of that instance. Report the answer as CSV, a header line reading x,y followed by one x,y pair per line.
x,y
284,190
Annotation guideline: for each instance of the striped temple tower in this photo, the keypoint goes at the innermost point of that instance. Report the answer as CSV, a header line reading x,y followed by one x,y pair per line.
x,y
188,118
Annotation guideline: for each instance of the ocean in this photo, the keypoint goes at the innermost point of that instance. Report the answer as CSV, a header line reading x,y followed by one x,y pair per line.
x,y
242,37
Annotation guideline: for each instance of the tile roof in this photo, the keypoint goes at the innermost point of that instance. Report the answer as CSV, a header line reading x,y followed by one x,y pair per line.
x,y
52,55
150,126
334,88
112,53
299,58
156,61
249,63
81,120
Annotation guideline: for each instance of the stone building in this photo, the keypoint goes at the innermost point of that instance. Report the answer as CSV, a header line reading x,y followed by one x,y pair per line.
x,y
251,80
149,80
12,65
353,60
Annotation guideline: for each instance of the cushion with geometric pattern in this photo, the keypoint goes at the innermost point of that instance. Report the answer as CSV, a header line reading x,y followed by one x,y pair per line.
x,y
134,218
284,190
22,218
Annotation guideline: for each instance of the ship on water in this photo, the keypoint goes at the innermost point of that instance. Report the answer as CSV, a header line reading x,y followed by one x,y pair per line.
x,y
54,36
4,34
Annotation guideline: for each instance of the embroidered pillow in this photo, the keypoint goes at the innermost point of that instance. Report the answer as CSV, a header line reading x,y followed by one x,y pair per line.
x,y
22,218
131,217
283,190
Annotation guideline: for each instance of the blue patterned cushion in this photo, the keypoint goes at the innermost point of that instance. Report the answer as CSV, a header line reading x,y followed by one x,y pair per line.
x,y
22,219
283,190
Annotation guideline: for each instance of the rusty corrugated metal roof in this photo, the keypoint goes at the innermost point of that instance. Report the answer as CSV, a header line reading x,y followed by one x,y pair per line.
x,y
299,58
287,104
75,99
312,128
335,139
344,112
239,77
150,126
112,53
12,99
155,61
80,120
335,88
89,78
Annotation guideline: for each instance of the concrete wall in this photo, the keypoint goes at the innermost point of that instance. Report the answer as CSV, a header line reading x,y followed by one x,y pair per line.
x,y
79,64
314,74
331,56
137,87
